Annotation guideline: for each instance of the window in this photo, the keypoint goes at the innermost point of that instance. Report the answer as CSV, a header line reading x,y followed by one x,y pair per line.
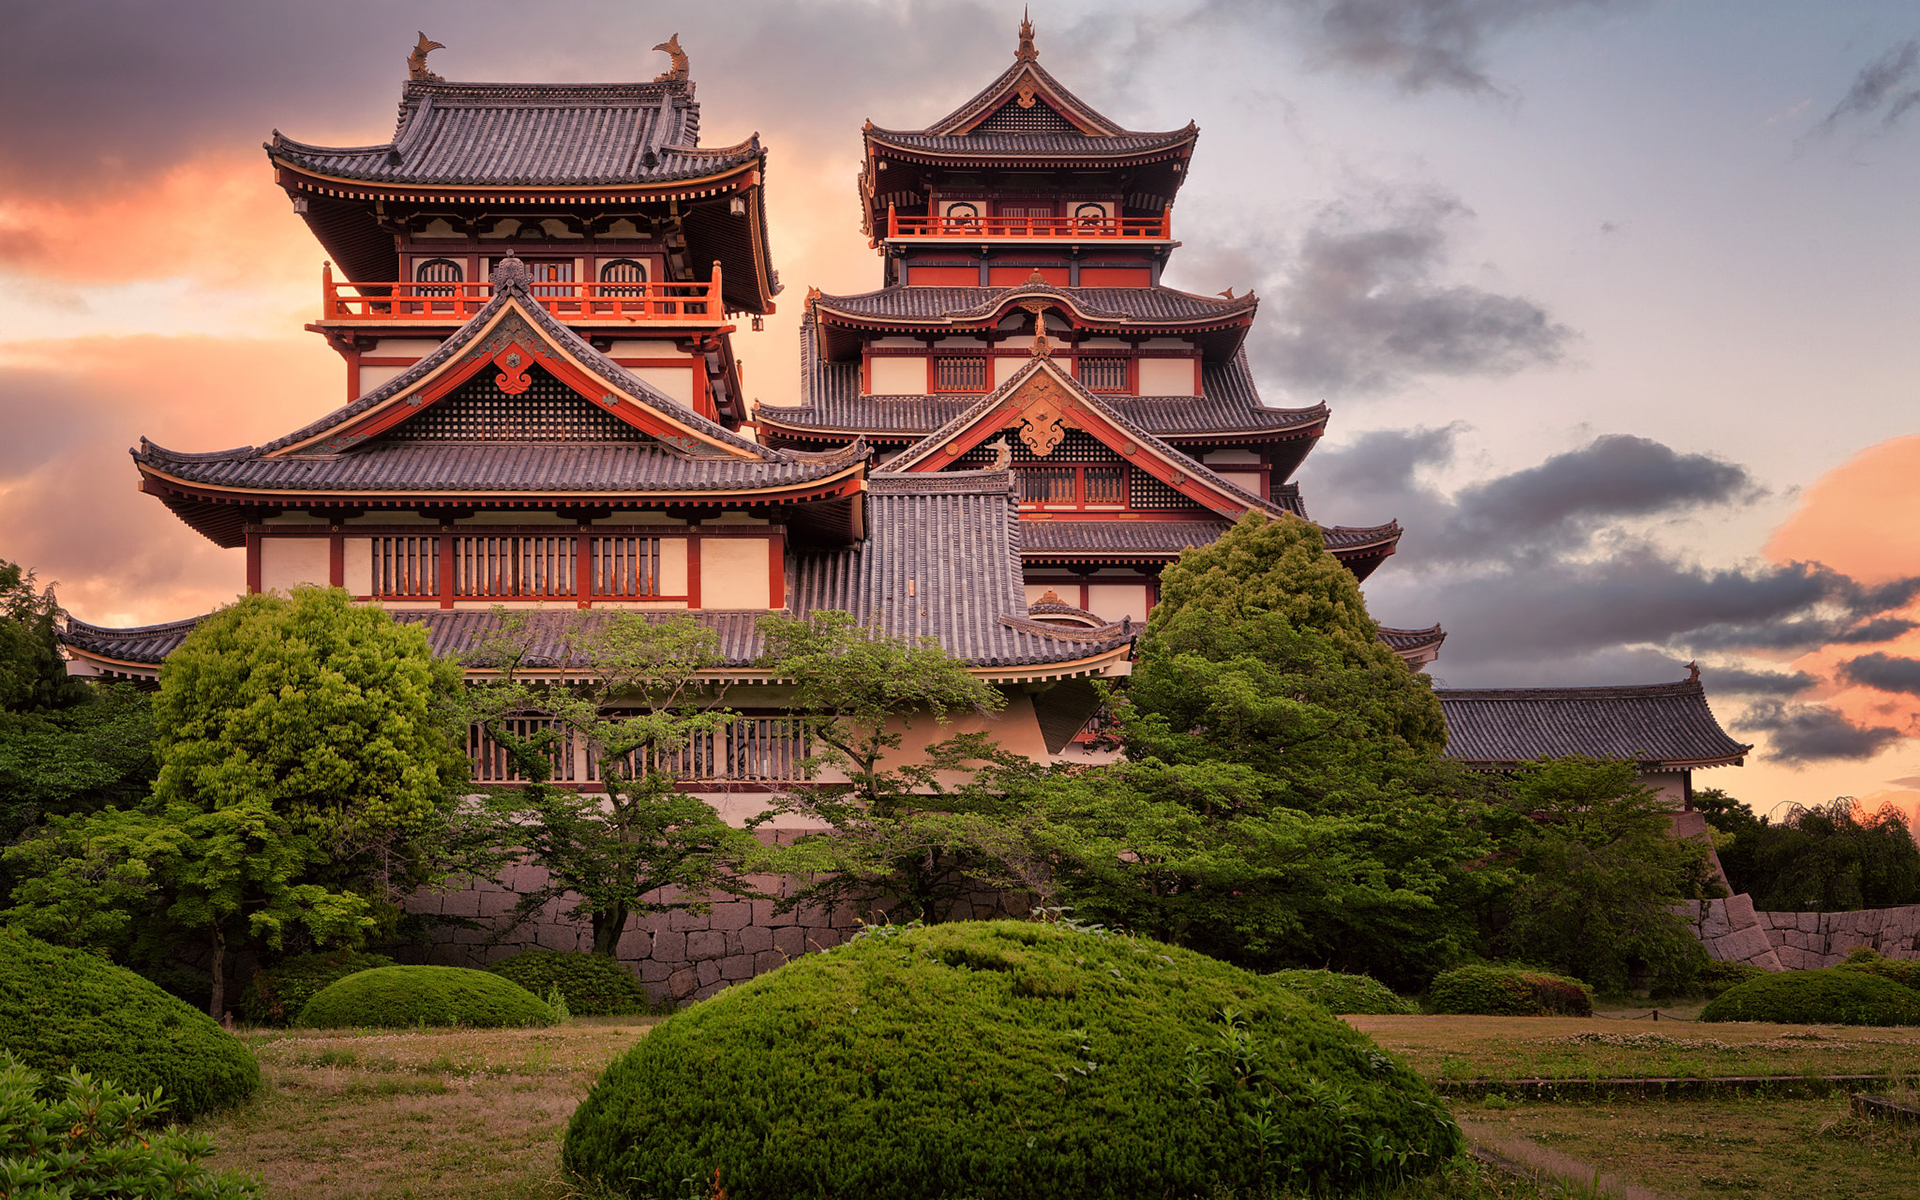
x,y
406,566
960,373
438,270
626,566
749,748
1061,485
623,270
1103,374
492,763
528,565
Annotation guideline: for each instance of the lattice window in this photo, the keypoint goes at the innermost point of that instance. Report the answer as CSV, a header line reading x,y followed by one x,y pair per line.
x,y
1149,492
527,565
438,270
623,270
1011,118
492,763
960,373
548,411
1046,485
626,566
1103,374
1104,485
406,566
769,749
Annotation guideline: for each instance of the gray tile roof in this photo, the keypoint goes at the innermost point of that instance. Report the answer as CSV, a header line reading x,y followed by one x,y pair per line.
x,y
1655,725
390,461
941,560
397,465
961,304
1031,145
522,134
1056,538
1412,639
1229,404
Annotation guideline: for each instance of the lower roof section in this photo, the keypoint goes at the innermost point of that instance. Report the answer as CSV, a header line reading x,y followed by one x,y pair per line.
x,y
1660,726
1055,541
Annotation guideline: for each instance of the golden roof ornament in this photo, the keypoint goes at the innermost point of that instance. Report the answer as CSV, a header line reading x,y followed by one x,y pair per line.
x,y
678,72
1026,52
417,61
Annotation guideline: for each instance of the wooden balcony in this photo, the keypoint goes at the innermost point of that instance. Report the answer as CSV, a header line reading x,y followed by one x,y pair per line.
x,y
649,303
1054,229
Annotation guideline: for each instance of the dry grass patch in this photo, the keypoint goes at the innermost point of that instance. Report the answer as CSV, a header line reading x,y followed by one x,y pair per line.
x,y
1455,1047
450,1113
1711,1149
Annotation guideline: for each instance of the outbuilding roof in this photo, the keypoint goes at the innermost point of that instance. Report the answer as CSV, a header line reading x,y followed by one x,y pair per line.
x,y
1658,725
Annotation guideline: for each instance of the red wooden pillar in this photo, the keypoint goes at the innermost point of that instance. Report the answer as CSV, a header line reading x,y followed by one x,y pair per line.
x,y
777,569
336,559
693,566
446,569
253,564
583,566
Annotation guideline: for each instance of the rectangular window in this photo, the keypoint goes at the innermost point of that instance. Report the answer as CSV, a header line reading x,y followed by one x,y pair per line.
x,y
1079,486
1105,485
763,749
492,763
406,566
960,373
626,567
1046,485
1104,374
521,566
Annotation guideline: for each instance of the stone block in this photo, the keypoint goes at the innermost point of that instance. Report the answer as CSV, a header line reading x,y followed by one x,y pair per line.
x,y
790,940
1742,945
461,904
755,939
1715,924
1740,911
651,971
669,946
730,914
737,967
681,983
707,990
634,944
707,972
764,914
706,944
767,960
680,919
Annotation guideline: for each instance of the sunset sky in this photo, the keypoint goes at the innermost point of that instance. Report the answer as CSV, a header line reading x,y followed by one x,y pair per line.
x,y
1614,301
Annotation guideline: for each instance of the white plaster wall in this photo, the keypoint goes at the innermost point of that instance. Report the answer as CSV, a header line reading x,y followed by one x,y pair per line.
x,y
898,376
735,573
1166,377
356,560
1116,600
288,562
676,383
673,566
373,377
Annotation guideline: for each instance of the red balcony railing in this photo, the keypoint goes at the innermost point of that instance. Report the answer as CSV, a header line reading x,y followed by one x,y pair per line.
x,y
1051,228
453,303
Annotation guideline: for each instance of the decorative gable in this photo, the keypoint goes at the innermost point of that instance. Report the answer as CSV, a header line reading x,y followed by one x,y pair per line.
x,y
530,405
1026,113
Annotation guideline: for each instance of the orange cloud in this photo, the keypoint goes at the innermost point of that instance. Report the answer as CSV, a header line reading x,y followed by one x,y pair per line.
x,y
1862,518
217,217
69,504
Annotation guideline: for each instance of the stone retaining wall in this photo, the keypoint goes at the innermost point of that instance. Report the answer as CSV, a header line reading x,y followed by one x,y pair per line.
x,y
678,956
1733,931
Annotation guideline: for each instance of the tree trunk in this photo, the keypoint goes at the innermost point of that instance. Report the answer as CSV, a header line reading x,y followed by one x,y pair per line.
x,y
607,928
217,1003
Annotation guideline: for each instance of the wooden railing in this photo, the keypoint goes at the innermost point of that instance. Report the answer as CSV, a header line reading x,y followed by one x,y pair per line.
x,y
453,303
1053,228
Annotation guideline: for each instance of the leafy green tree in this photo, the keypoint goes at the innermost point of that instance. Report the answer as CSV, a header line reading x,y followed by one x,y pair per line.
x,y
632,842
915,828
1289,765
33,676
1599,876
1827,858
308,779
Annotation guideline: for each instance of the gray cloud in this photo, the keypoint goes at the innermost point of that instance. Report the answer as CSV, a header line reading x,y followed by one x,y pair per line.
x,y
1737,682
1802,733
1364,305
1889,85
1887,672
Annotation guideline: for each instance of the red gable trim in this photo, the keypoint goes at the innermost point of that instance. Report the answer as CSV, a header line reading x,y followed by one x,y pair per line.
x,y
1043,404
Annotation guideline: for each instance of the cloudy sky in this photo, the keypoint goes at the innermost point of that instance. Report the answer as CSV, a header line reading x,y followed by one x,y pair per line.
x,y
1613,300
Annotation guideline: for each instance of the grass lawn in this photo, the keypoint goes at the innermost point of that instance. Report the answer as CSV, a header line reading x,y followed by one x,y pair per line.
x,y
460,1113
1604,1048
417,1114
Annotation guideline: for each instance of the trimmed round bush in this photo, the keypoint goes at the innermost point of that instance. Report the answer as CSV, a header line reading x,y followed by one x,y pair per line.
x,y
62,1010
276,995
1005,1059
397,997
1903,971
1501,991
1338,992
1717,975
1828,996
593,984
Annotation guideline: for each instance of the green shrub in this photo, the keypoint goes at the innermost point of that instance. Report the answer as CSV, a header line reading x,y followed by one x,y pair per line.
x,y
277,994
1717,976
397,997
1505,991
1903,971
195,987
95,1139
63,1010
594,985
1005,1059
1341,993
1829,996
